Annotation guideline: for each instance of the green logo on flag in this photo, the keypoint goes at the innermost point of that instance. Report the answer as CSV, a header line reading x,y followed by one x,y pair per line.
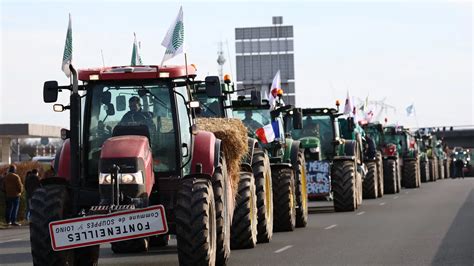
x,y
178,35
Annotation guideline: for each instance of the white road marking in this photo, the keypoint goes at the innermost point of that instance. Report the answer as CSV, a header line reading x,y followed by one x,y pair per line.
x,y
11,240
360,213
283,248
396,197
330,227
382,203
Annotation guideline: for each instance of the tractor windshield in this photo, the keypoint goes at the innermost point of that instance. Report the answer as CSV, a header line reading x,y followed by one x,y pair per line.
x,y
210,107
115,108
253,119
317,126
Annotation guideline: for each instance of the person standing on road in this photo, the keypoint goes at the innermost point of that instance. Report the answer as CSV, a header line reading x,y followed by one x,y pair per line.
x,y
32,182
13,190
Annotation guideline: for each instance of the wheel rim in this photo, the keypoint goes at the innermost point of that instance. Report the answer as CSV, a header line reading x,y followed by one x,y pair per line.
x,y
304,194
268,194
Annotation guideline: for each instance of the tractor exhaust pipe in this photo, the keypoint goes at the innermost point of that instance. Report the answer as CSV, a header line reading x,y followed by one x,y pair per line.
x,y
75,122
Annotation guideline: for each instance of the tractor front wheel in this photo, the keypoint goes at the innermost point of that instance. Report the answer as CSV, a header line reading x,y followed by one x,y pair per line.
x,y
284,206
390,176
370,183
263,189
301,192
244,223
344,186
196,222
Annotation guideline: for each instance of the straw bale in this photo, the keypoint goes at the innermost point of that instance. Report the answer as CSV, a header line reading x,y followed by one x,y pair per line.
x,y
233,135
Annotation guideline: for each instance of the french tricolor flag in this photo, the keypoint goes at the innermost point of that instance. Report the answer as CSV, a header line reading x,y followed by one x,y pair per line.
x,y
268,133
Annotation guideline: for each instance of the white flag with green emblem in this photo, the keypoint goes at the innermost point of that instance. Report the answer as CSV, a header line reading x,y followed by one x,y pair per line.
x,y
174,39
67,56
136,58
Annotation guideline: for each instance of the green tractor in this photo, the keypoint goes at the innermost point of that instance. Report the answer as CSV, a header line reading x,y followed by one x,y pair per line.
x,y
287,161
438,159
401,159
424,160
374,138
341,152
214,99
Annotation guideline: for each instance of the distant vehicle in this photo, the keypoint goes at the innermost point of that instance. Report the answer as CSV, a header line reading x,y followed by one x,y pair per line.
x,y
46,161
460,154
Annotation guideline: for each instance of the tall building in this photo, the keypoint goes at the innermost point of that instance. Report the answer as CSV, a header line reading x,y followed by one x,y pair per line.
x,y
260,53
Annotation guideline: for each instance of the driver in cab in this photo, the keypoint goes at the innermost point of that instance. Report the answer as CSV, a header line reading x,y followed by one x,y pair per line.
x,y
250,122
136,116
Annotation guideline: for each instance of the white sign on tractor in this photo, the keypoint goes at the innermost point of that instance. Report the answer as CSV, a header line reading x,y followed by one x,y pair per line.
x,y
97,229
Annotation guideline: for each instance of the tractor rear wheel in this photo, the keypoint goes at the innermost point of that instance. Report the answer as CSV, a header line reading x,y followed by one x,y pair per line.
x,y
399,177
410,174
344,186
390,176
221,188
263,189
301,192
196,222
432,163
48,204
244,222
284,205
370,183
380,188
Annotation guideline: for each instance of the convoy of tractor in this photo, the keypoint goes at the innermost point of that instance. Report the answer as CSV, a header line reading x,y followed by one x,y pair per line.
x,y
151,151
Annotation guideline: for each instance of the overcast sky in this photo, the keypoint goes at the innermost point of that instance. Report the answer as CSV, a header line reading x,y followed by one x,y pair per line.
x,y
404,52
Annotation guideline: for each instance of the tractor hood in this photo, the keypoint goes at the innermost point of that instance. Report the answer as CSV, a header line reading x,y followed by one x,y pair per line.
x,y
310,142
126,147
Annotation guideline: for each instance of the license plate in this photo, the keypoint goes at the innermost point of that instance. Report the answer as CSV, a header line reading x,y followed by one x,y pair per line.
x,y
117,226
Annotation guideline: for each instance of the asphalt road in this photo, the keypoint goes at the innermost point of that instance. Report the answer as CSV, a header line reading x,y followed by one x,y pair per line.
x,y
430,225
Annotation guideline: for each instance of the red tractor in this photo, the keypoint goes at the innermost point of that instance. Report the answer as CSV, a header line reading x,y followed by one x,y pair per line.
x,y
132,174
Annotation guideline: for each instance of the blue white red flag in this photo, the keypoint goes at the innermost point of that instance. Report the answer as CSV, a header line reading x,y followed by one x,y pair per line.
x,y
268,133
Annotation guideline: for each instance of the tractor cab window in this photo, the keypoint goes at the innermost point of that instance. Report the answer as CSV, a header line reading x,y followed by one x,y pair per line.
x,y
319,126
128,110
210,107
253,119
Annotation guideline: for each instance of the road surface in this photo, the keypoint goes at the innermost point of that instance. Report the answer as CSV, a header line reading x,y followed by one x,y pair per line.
x,y
430,225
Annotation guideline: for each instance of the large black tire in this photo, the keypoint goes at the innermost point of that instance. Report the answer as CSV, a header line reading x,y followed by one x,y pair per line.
x,y
196,222
344,186
390,176
432,163
441,169
48,204
410,174
130,246
284,204
424,171
447,169
244,222
380,188
221,188
301,193
263,189
370,183
399,177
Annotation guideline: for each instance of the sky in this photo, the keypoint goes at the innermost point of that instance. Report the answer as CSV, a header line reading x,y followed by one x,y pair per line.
x,y
402,52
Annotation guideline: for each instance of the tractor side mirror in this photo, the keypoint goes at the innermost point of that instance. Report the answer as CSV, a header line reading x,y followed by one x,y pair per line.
x,y
213,87
256,98
297,118
50,91
121,103
106,97
110,109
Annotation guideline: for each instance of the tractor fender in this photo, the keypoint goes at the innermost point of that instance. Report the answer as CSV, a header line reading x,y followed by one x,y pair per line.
x,y
204,152
349,148
63,164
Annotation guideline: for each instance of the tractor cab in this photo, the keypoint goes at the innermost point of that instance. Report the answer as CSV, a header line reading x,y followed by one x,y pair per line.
x,y
213,96
318,133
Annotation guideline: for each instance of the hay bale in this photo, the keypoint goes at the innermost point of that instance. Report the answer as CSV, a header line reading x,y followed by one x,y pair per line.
x,y
233,135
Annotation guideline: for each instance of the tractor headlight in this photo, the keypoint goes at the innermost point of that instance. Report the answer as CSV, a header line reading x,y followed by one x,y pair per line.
x,y
134,178
314,150
105,179
456,153
127,178
454,159
468,159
